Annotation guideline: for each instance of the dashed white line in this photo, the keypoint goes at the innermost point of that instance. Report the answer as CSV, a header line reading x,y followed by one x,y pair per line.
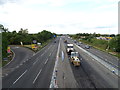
x,y
42,54
46,61
6,74
105,59
17,66
35,62
33,54
21,64
37,76
50,54
20,77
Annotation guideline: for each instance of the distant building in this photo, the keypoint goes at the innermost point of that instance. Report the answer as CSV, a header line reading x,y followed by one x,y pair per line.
x,y
104,38
82,37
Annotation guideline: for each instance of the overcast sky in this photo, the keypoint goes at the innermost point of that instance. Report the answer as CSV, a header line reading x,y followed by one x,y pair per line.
x,y
60,16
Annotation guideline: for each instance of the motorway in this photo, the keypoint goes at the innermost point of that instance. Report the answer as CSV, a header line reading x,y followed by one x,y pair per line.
x,y
103,55
93,72
34,72
37,70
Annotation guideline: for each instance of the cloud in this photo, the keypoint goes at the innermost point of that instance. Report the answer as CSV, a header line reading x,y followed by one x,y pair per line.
x,y
55,15
2,2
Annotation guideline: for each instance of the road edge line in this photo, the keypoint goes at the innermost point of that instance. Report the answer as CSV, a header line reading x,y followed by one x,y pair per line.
x,y
53,83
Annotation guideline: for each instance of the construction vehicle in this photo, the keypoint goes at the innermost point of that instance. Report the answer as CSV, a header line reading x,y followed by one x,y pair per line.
x,y
69,48
74,58
65,41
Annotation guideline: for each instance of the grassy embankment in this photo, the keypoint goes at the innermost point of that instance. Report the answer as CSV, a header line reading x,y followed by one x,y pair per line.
x,y
9,59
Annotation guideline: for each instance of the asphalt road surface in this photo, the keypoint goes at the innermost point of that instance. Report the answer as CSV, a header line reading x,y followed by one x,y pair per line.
x,y
35,72
92,74
102,55
20,55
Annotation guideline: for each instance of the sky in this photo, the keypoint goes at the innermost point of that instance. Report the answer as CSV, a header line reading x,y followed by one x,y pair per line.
x,y
60,16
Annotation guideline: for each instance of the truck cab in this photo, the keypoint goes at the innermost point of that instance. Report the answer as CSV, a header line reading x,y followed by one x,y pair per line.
x,y
69,48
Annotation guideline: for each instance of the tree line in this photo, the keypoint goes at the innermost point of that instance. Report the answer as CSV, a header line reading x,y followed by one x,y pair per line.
x,y
14,38
114,43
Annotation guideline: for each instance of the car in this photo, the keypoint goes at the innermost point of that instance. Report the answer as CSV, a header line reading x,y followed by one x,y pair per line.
x,y
75,41
54,41
78,44
87,46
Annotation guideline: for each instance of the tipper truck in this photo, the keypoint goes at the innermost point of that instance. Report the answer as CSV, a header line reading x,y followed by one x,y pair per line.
x,y
74,58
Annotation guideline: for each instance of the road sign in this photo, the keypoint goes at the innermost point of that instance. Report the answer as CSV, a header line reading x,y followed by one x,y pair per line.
x,y
8,50
34,41
39,43
5,59
54,36
21,43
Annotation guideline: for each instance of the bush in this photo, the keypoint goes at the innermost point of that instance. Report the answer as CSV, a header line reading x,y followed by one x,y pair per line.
x,y
115,44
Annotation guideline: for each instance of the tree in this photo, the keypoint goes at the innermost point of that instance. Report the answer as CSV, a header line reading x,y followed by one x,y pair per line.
x,y
115,44
5,41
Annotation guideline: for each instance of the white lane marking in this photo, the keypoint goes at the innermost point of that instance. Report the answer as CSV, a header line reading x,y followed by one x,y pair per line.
x,y
37,76
35,62
20,77
33,54
17,66
21,64
46,61
17,47
50,54
42,54
6,74
105,59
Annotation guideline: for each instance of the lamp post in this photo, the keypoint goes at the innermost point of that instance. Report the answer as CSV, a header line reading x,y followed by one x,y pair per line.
x,y
108,40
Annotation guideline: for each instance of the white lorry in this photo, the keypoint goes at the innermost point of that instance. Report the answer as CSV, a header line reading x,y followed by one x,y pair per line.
x,y
69,48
